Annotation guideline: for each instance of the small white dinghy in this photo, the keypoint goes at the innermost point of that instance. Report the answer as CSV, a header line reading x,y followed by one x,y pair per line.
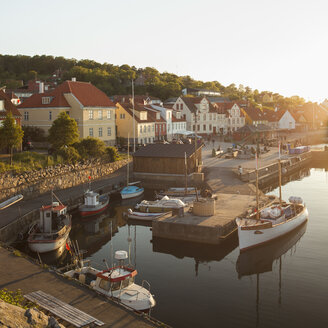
x,y
116,282
11,201
162,205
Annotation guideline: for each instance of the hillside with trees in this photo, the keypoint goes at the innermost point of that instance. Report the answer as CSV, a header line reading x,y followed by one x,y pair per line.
x,y
15,71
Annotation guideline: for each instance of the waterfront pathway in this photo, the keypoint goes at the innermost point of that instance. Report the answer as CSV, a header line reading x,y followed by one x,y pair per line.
x,y
11,213
21,273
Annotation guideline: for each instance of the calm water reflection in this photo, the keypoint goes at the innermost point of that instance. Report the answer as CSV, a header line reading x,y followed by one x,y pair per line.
x,y
284,284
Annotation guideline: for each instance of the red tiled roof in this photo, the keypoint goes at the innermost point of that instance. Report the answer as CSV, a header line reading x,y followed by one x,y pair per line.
x,y
255,114
86,93
9,106
128,108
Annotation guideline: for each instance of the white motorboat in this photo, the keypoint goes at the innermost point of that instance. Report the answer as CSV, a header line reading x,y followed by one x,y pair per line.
x,y
143,216
52,230
117,282
271,222
162,205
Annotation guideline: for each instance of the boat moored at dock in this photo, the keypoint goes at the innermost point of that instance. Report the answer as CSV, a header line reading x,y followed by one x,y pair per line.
x,y
93,203
117,282
52,230
162,205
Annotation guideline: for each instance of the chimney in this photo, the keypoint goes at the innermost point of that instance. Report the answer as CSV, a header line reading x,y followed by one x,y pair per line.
x,y
41,87
73,79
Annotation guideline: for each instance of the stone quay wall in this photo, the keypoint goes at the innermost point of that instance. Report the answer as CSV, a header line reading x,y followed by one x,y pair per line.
x,y
33,183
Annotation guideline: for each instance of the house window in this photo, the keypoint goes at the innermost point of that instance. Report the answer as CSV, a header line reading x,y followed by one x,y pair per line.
x,y
160,128
46,100
90,115
140,128
204,117
152,128
91,132
148,128
210,127
198,127
210,117
156,128
145,128
50,116
26,116
100,132
204,127
122,116
109,131
100,115
108,114
194,128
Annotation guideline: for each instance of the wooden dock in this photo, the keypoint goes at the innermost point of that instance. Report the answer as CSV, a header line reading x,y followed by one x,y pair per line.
x,y
207,229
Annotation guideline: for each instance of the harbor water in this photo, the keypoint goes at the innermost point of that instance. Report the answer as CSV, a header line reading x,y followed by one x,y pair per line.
x,y
283,284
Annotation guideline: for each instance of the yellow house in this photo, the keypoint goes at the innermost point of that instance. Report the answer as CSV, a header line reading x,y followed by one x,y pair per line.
x,y
144,125
93,111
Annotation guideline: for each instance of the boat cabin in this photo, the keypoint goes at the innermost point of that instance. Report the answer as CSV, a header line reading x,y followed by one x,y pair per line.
x,y
115,278
91,198
50,212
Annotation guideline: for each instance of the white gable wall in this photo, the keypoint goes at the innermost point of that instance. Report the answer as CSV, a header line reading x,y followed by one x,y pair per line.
x,y
287,122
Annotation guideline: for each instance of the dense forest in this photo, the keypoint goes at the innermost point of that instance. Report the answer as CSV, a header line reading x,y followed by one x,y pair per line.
x,y
15,71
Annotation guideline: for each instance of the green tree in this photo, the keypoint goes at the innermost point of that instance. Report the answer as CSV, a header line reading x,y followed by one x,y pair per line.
x,y
11,134
90,147
63,132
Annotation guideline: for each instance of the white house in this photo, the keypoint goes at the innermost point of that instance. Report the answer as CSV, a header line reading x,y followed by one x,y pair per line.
x,y
198,112
280,120
166,114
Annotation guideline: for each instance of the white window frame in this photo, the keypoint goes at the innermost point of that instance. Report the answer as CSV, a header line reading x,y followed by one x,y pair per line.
x,y
100,115
26,116
90,132
109,114
109,131
100,132
90,114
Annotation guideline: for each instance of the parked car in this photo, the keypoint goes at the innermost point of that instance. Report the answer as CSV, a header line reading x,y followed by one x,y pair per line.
x,y
27,145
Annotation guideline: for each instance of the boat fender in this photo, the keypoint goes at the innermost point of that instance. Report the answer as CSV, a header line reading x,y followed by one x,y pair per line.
x,y
82,278
93,283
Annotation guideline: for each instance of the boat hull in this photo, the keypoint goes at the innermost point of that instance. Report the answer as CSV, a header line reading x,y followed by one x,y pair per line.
x,y
132,194
93,210
44,246
250,238
144,216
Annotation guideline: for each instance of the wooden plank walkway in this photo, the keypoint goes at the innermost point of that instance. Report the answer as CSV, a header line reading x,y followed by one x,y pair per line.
x,y
62,310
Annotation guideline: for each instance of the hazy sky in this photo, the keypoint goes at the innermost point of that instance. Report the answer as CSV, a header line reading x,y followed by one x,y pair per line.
x,y
276,45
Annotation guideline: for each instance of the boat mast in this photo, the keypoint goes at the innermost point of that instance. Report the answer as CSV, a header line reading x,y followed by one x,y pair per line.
x,y
279,169
257,189
186,174
134,132
127,176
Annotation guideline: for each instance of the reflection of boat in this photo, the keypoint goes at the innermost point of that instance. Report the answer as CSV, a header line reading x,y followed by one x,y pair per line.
x,y
260,259
162,205
52,230
272,222
142,216
93,203
116,282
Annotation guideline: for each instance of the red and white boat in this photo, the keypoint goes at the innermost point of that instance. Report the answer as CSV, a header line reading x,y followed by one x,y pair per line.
x,y
93,203
52,230
117,282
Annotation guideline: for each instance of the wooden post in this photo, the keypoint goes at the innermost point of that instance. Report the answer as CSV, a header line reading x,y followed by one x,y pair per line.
x,y
280,198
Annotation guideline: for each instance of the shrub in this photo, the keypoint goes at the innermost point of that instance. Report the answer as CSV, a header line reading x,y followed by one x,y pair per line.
x,y
33,133
68,153
112,154
14,298
90,147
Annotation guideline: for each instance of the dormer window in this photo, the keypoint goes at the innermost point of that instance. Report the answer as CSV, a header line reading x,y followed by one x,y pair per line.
x,y
46,100
2,105
143,116
157,116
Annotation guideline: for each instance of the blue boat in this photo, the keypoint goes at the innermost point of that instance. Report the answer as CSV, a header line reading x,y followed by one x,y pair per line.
x,y
131,192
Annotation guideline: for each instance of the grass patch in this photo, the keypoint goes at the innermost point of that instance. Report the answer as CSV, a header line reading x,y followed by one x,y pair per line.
x,y
14,298
28,161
